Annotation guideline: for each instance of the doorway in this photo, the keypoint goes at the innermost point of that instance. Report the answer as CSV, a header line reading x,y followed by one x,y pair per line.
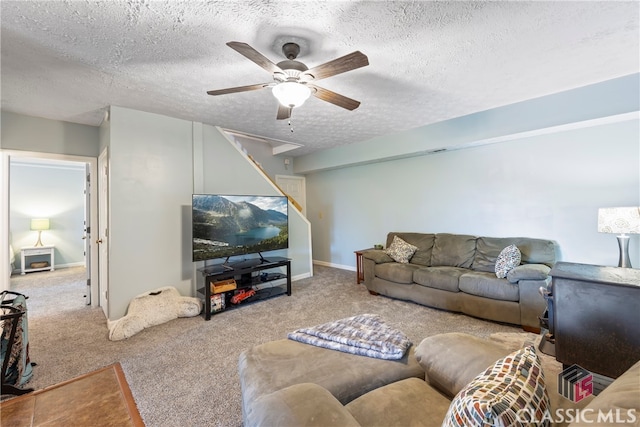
x,y
70,215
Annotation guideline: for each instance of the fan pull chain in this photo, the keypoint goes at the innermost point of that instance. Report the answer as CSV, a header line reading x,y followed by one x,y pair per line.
x,y
290,126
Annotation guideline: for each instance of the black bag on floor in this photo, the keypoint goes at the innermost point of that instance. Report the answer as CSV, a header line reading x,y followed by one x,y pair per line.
x,y
17,368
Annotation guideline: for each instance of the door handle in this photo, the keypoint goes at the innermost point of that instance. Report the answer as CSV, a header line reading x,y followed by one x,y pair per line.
x,y
99,241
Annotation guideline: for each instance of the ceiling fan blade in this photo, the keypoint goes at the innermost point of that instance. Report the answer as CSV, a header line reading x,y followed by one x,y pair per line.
x,y
340,65
283,112
238,89
255,56
334,98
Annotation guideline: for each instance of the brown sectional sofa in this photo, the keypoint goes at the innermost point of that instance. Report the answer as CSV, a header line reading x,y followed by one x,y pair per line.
x,y
287,383
457,272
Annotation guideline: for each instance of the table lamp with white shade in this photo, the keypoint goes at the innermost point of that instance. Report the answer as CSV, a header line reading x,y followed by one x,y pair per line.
x,y
621,221
39,224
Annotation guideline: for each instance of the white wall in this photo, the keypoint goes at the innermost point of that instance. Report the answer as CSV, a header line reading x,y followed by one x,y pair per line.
x,y
547,186
48,190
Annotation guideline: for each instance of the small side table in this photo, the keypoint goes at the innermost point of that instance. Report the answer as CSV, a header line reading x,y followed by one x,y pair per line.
x,y
359,272
32,251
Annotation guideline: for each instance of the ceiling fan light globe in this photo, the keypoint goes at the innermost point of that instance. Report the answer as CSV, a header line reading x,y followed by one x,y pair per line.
x,y
291,94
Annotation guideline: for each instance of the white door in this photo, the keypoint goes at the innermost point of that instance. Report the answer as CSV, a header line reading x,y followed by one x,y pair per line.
x,y
87,230
294,187
103,230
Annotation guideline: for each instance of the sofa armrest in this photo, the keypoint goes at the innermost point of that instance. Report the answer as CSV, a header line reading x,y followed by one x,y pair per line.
x,y
532,303
530,278
378,256
619,398
304,404
528,272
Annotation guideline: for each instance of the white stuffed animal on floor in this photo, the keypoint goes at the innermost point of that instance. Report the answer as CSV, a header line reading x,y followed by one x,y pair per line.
x,y
153,308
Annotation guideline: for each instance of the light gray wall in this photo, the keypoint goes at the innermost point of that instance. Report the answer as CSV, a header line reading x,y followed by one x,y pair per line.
x,y
547,186
610,98
262,153
538,168
156,164
54,191
20,132
150,181
237,175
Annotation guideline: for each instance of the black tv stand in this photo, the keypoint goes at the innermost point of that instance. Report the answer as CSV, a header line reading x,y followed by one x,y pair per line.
x,y
242,273
226,265
263,259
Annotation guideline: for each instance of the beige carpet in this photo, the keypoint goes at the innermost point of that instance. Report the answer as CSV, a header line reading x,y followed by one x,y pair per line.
x,y
184,372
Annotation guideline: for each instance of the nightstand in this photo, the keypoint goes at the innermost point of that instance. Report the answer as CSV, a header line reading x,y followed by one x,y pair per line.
x,y
39,251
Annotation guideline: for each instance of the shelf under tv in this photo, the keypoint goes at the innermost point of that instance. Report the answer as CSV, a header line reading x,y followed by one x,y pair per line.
x,y
243,273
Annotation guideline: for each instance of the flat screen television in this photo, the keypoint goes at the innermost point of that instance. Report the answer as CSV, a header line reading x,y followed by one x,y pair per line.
x,y
226,225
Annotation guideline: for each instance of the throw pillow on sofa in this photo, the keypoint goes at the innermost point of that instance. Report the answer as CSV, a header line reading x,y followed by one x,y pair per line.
x,y
512,392
508,259
400,250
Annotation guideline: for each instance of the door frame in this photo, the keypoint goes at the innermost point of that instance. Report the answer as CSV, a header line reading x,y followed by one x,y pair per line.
x,y
101,236
303,184
5,160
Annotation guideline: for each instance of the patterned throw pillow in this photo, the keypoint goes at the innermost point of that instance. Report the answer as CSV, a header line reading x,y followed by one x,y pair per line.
x,y
400,250
508,259
512,392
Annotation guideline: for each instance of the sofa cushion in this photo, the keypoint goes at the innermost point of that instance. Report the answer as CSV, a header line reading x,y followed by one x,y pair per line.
x,y
400,250
510,389
455,250
423,241
533,251
445,278
303,404
450,361
396,272
487,285
508,259
410,402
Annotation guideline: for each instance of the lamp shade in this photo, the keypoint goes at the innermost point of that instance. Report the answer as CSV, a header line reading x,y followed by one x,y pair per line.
x,y
619,220
40,224
291,94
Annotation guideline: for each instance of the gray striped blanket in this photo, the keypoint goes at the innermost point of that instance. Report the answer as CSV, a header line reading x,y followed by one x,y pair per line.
x,y
365,334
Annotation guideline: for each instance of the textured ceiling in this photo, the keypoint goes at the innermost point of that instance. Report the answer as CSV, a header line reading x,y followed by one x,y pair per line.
x,y
429,61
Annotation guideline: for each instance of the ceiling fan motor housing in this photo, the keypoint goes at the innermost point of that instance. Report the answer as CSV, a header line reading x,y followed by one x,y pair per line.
x,y
292,69
291,50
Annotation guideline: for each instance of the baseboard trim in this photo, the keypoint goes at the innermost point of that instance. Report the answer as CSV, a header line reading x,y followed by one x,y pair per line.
x,y
71,264
330,264
17,271
301,276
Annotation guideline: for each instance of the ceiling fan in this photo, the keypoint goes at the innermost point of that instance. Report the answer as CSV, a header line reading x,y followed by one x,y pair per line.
x,y
293,81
